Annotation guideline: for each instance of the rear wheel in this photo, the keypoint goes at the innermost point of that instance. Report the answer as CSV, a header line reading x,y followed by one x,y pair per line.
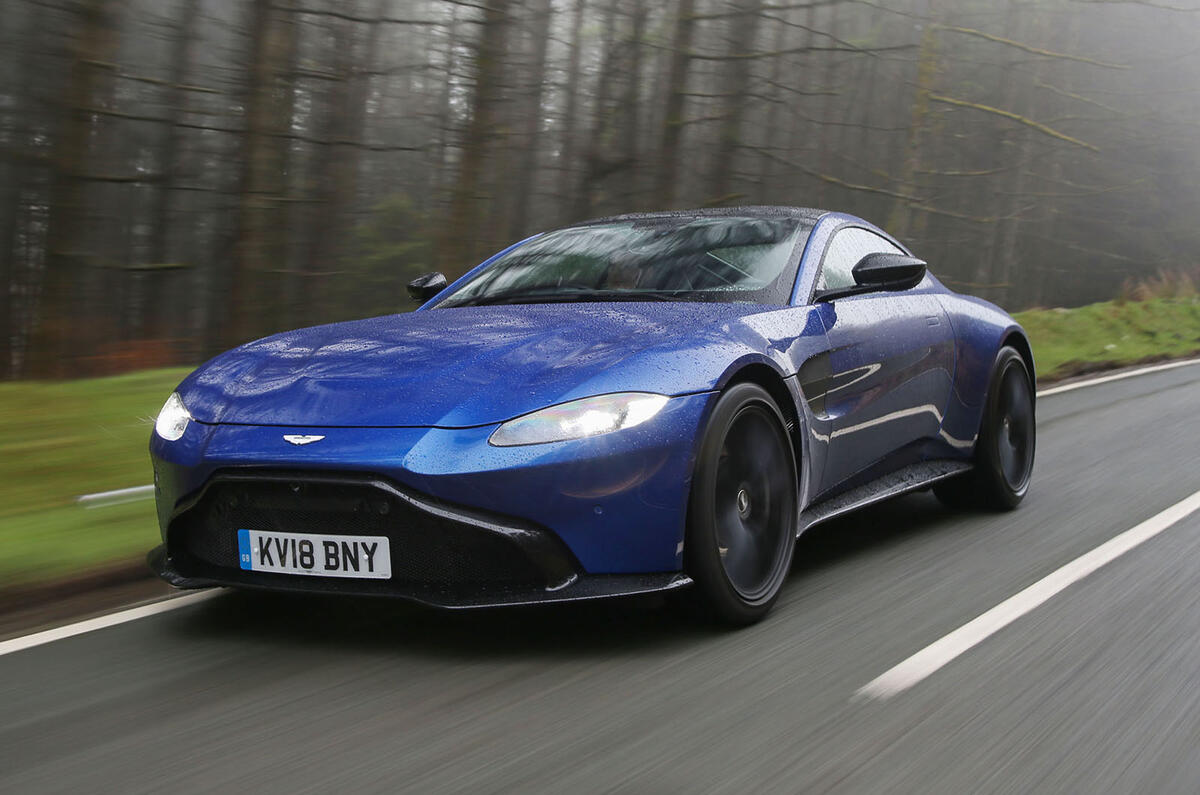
x,y
742,510
1004,449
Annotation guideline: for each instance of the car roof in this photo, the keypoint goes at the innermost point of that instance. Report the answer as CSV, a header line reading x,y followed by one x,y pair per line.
x,y
757,211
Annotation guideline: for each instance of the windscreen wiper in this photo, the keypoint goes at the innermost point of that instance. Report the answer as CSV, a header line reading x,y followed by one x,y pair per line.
x,y
638,295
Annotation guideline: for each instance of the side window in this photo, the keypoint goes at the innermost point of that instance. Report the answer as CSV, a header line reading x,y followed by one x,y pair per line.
x,y
849,246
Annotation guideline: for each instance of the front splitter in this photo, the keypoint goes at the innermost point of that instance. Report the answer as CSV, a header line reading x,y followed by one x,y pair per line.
x,y
580,588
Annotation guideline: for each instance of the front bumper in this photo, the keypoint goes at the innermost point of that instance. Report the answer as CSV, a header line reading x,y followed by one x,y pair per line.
x,y
610,505
442,555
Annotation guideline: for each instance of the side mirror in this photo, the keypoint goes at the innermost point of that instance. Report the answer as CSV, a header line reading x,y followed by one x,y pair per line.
x,y
426,286
881,271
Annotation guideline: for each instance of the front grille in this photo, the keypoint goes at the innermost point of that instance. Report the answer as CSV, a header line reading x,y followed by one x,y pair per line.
x,y
426,550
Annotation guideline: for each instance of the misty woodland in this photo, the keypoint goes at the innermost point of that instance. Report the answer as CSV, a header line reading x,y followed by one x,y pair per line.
x,y
178,176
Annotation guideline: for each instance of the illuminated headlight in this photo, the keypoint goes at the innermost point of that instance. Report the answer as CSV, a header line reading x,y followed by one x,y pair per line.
x,y
173,419
579,419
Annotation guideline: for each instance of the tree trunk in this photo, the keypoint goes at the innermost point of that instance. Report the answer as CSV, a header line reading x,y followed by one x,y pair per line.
x,y
532,119
445,113
260,244
767,165
990,270
461,234
163,281
568,181
13,175
1008,293
630,105
829,80
336,170
595,167
900,221
59,338
734,86
671,136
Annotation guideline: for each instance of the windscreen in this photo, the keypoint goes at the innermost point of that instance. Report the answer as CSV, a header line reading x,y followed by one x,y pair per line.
x,y
684,259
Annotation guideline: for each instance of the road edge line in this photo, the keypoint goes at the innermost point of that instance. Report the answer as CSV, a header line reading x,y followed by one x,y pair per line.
x,y
1104,379
102,622
933,657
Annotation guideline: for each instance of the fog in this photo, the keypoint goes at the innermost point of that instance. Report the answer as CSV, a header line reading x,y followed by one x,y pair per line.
x,y
179,176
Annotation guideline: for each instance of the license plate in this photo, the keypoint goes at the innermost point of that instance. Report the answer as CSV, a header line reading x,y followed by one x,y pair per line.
x,y
365,557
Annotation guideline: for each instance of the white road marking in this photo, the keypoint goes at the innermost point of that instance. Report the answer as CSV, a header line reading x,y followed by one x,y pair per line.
x,y
1104,379
102,622
933,657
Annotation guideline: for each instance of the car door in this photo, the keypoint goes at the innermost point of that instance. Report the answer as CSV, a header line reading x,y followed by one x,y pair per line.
x,y
890,366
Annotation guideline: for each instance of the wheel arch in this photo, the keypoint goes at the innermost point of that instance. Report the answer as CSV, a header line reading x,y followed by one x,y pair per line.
x,y
714,591
1016,338
768,378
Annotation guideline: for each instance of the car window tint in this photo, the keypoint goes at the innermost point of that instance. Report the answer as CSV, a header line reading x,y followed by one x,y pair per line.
x,y
849,246
725,258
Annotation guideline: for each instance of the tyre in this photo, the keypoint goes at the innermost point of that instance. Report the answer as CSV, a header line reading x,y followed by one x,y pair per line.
x,y
741,528
1005,446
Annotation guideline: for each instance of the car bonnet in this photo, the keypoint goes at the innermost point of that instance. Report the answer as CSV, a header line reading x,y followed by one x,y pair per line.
x,y
464,367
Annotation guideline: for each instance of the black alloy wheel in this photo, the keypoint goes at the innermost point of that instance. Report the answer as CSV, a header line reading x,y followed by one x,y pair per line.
x,y
1005,447
1014,429
742,510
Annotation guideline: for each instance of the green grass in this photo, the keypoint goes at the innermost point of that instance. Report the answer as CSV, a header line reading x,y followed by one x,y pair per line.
x,y
63,439
59,440
1099,336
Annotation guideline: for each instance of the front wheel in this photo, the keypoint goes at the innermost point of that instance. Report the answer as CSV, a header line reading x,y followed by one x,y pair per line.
x,y
742,510
1004,449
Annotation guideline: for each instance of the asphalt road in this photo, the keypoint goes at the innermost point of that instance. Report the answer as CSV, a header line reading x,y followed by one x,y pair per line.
x,y
1097,690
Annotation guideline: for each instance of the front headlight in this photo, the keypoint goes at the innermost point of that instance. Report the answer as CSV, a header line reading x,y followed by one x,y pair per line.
x,y
579,419
173,419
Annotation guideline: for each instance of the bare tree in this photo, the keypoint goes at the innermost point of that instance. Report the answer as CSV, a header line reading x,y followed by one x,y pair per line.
x,y
259,245
177,176
461,235
67,301
541,15
672,127
733,89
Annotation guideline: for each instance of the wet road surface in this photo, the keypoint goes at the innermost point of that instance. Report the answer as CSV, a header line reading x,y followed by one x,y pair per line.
x,y
1096,690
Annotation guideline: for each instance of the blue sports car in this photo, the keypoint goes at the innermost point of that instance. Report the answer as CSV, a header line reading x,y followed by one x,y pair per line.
x,y
634,404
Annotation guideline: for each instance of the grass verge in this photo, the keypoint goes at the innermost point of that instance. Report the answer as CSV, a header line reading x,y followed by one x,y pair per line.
x,y
1069,342
63,439
59,440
